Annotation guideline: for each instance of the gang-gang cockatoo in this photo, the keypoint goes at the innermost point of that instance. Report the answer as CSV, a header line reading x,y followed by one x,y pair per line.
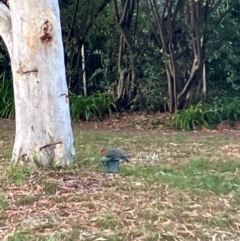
x,y
114,153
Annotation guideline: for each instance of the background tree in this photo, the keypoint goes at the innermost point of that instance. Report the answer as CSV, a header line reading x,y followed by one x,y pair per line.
x,y
127,52
182,29
79,19
223,52
149,86
32,33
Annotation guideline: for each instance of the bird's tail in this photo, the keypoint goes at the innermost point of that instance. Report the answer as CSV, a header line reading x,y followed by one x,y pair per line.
x,y
125,158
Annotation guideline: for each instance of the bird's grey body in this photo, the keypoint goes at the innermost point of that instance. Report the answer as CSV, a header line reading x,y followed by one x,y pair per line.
x,y
116,153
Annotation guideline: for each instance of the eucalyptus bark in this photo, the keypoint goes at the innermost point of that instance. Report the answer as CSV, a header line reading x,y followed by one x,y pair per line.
x,y
31,31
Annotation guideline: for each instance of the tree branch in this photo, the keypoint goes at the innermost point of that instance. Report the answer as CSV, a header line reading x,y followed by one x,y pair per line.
x,y
124,13
72,23
222,16
6,27
100,8
159,22
189,81
116,10
178,8
136,21
197,48
214,6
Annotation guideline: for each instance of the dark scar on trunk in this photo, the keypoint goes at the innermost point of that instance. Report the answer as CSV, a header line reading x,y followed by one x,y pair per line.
x,y
47,32
66,97
48,145
22,72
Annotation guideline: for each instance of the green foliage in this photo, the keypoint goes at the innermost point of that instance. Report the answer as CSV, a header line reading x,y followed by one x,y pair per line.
x,y
153,84
223,52
92,107
95,27
6,97
207,114
17,175
188,119
226,109
3,201
20,236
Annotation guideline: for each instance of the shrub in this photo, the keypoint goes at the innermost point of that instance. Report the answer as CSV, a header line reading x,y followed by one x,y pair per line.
x,y
226,108
7,109
92,107
207,114
189,118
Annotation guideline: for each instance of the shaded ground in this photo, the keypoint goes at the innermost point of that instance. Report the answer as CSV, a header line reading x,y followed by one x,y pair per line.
x,y
178,186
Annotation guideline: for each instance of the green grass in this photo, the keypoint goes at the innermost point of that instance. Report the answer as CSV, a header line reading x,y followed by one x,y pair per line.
x,y
108,221
16,175
26,200
19,236
195,175
3,201
50,188
188,189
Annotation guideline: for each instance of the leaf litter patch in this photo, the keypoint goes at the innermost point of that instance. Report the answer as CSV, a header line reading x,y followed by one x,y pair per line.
x,y
231,150
104,207
97,208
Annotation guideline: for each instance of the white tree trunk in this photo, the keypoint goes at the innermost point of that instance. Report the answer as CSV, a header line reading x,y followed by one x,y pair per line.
x,y
43,126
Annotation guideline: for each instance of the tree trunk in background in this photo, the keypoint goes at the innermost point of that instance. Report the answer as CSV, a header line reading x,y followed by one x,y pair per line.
x,y
180,28
32,33
127,54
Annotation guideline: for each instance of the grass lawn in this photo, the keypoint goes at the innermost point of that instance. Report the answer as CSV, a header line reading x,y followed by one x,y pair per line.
x,y
178,186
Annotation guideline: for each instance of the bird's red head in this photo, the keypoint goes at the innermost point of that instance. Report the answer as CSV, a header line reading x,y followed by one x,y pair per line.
x,y
102,151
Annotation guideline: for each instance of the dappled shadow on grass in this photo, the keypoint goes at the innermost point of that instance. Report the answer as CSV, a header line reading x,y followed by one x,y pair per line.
x,y
175,188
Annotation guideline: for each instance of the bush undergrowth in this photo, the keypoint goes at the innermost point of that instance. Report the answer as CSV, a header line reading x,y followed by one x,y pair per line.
x,y
93,107
205,114
7,109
